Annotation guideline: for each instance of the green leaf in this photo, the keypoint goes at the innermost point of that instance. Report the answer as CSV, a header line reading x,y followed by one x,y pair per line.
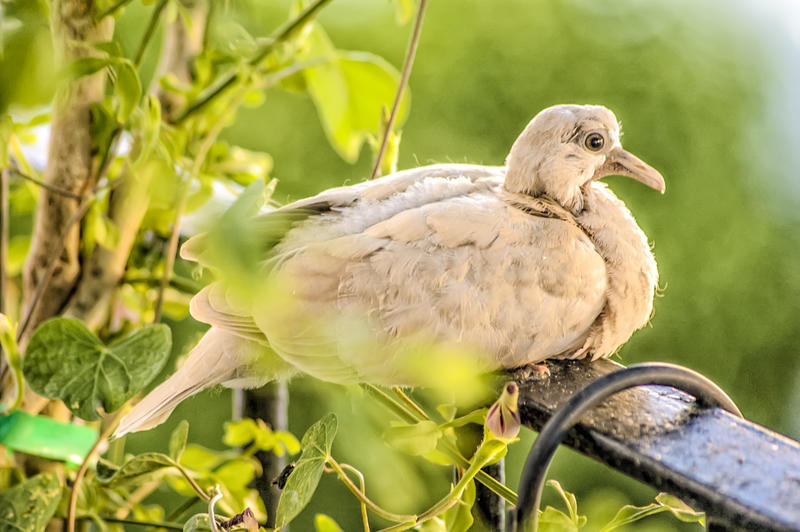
x,y
680,509
323,523
18,248
128,88
570,501
177,440
86,66
458,518
302,483
416,439
6,131
141,465
629,514
404,10
552,520
197,522
27,507
349,90
64,360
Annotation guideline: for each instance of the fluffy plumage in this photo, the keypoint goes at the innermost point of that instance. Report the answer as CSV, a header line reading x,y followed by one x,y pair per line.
x,y
521,263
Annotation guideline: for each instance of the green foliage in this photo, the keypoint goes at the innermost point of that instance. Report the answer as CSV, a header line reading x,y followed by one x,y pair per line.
x,y
28,506
302,482
324,523
63,356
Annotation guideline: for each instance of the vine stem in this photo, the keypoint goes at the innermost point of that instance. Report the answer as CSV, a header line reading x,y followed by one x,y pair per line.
x,y
406,414
356,472
212,519
73,495
279,36
398,97
155,524
389,516
148,34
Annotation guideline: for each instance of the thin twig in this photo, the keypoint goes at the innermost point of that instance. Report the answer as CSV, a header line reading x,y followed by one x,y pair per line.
x,y
212,519
48,186
389,516
176,281
73,496
360,475
228,79
154,524
407,64
112,9
410,403
148,34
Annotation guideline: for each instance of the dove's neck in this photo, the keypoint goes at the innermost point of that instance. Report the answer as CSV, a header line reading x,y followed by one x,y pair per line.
x,y
527,175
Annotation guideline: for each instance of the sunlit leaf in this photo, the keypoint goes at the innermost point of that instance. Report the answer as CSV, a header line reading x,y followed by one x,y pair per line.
x,y
197,522
128,88
27,507
415,439
323,523
552,520
302,482
18,248
680,509
65,360
86,66
177,440
349,90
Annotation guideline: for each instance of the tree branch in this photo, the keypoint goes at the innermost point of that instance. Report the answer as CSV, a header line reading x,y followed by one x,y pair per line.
x,y
70,164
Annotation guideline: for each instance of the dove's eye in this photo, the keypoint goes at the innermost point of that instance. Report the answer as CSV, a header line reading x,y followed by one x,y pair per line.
x,y
594,142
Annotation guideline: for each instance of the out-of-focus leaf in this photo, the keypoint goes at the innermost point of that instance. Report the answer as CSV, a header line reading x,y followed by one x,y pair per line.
x,y
458,518
629,514
27,507
349,91
324,523
128,88
65,360
6,130
10,476
416,439
404,10
86,66
177,440
197,522
302,482
18,248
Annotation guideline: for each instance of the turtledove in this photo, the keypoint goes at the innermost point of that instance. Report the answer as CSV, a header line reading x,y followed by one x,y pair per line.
x,y
521,263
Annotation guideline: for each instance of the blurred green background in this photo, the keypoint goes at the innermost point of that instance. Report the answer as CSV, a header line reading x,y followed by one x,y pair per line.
x,y
706,93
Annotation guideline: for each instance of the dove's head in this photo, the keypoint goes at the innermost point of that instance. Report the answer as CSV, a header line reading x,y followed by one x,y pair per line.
x,y
566,147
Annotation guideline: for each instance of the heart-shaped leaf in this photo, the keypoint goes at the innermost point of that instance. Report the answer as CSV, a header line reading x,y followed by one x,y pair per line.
x,y
302,483
64,360
138,466
27,507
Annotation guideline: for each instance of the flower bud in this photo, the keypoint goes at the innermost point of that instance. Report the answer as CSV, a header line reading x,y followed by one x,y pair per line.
x,y
503,421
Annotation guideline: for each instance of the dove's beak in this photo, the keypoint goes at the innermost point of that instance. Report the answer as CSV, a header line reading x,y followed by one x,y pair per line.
x,y
620,162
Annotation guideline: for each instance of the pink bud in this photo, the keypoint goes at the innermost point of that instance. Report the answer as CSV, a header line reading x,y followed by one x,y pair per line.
x,y
503,421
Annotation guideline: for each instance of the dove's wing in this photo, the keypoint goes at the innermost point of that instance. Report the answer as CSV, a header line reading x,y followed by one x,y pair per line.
x,y
458,262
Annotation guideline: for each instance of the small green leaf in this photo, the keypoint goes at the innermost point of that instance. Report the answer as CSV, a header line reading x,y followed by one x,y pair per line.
x,y
197,522
86,66
404,10
302,483
417,439
144,464
458,518
27,507
177,440
629,514
64,360
128,88
323,523
552,520
569,500
6,131
680,509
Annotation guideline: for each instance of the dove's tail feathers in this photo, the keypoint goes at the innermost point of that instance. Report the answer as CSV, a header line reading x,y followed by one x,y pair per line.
x,y
219,358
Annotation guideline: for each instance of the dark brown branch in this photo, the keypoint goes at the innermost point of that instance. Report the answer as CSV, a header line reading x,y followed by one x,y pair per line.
x,y
398,97
48,186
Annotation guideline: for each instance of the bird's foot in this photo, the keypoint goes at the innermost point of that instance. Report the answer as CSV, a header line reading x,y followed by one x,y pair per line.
x,y
539,371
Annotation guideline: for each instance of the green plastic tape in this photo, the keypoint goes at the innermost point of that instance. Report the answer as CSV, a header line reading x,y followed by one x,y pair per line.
x,y
45,437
